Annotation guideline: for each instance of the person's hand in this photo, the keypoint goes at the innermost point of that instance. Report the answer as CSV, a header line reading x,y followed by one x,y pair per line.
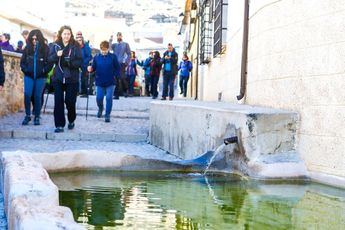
x,y
89,68
59,53
167,57
1,87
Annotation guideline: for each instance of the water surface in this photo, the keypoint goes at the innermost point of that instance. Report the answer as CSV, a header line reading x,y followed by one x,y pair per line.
x,y
113,200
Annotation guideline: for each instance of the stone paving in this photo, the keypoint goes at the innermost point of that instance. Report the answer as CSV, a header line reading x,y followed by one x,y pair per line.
x,y
129,124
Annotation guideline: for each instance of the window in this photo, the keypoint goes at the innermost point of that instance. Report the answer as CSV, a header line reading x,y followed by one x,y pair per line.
x,y
205,31
220,26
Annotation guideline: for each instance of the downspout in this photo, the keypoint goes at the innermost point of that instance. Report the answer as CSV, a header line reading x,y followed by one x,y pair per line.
x,y
244,51
198,53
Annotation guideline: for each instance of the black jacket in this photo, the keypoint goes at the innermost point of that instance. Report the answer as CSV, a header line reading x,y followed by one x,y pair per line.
x,y
35,60
173,61
67,66
2,71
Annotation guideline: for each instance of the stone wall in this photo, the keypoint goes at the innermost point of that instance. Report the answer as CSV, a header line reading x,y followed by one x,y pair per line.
x,y
295,62
12,97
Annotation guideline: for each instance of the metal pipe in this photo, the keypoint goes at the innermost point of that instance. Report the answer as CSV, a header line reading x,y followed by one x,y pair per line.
x,y
244,51
231,140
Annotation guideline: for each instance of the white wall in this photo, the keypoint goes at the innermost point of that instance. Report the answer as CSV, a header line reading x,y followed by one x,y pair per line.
x,y
295,61
222,75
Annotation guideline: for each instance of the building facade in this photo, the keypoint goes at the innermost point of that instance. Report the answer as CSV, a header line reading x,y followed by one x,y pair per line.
x,y
292,57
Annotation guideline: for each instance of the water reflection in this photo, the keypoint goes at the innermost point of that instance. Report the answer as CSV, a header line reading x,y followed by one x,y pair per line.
x,y
108,200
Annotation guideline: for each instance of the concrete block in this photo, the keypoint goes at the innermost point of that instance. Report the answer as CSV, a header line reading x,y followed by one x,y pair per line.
x,y
29,134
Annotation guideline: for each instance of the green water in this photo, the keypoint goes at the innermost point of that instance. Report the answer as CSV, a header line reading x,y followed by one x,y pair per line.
x,y
113,200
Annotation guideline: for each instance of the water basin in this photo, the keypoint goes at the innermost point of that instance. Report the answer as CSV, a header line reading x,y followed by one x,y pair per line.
x,y
161,200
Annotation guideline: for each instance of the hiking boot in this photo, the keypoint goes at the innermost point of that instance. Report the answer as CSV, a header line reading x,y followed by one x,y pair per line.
x,y
26,120
37,121
107,119
71,125
116,98
163,98
58,130
99,113
170,98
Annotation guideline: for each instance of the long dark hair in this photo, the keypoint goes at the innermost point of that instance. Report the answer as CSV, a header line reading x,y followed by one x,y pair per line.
x,y
72,41
40,40
156,55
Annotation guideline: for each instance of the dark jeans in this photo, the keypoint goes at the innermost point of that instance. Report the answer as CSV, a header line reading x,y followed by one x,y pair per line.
x,y
33,88
70,99
168,84
121,82
183,84
108,92
154,84
147,85
131,79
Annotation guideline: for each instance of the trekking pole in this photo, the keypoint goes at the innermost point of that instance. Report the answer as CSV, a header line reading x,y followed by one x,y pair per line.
x,y
87,94
45,103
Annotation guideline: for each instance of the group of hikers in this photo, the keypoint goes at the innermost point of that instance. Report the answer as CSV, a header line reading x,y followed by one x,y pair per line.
x,y
69,60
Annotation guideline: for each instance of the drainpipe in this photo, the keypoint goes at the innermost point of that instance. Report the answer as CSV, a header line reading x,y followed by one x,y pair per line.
x,y
244,51
198,53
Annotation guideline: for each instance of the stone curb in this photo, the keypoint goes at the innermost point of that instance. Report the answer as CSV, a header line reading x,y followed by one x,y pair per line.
x,y
70,136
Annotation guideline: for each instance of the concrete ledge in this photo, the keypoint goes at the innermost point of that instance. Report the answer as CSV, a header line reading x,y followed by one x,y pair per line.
x,y
6,134
327,179
266,146
30,198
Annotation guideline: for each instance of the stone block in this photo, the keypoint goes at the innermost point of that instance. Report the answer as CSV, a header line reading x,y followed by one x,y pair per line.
x,y
29,134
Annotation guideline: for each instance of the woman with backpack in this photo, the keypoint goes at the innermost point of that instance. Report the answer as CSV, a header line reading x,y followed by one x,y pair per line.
x,y
155,68
131,73
67,57
35,66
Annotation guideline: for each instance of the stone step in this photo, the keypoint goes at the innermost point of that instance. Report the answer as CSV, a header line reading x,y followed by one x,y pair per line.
x,y
73,136
114,114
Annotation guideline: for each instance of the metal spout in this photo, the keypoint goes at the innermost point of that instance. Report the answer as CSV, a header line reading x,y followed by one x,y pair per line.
x,y
230,140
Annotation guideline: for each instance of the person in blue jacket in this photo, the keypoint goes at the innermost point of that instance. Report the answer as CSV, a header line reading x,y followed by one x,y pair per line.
x,y
35,66
170,59
67,57
107,69
2,71
87,57
185,67
146,67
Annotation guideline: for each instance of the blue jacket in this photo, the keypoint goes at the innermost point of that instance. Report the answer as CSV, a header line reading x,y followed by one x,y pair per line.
x,y
185,67
67,66
132,68
146,65
107,69
34,63
87,57
2,71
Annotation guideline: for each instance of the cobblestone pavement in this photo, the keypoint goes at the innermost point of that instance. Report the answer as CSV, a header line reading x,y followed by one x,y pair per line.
x,y
130,116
